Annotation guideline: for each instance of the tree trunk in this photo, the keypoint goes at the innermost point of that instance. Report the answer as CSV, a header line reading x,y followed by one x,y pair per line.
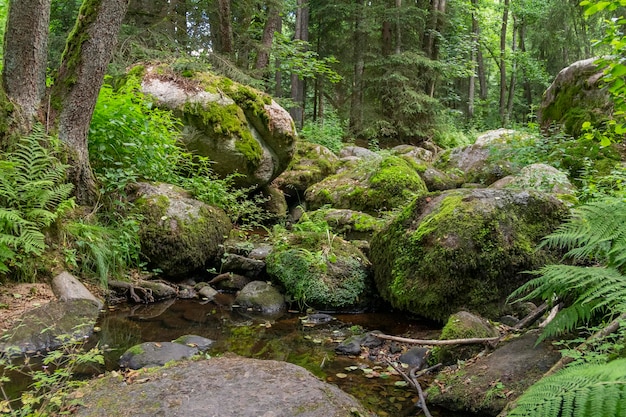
x,y
512,84
356,100
271,25
398,27
528,92
503,30
75,91
278,77
226,27
437,22
471,93
25,54
297,85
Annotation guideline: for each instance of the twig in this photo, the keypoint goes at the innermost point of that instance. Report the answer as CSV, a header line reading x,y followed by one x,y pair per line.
x,y
412,379
471,341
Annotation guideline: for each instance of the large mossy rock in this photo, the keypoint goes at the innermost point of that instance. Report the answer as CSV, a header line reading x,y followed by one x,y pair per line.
x,y
320,270
463,248
370,186
241,129
178,235
574,97
310,164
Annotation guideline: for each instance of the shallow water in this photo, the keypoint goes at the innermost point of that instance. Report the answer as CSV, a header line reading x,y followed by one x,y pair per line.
x,y
284,338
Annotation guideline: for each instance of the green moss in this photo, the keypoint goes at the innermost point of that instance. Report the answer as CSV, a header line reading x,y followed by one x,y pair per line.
x,y
319,270
227,121
462,252
136,350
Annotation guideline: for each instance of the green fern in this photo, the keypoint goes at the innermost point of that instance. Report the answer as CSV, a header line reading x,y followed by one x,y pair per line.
x,y
32,196
578,391
595,239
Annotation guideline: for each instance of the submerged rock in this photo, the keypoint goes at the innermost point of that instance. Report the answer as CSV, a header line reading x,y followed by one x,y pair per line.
x,y
150,354
465,248
261,297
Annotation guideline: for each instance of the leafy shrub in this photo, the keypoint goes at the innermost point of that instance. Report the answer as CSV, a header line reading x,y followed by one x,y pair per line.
x,y
33,195
53,383
327,132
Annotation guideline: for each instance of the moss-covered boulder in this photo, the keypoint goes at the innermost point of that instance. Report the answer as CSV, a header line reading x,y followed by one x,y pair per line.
x,y
371,186
241,129
320,270
261,297
538,177
350,224
310,164
481,164
178,235
464,248
462,325
574,97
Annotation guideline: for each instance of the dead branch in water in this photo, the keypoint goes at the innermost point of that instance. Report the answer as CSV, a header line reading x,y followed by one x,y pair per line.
x,y
412,379
431,342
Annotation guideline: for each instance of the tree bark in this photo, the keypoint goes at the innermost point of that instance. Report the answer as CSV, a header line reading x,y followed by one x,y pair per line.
x,y
356,100
471,93
271,25
512,84
297,85
25,54
75,91
226,27
503,30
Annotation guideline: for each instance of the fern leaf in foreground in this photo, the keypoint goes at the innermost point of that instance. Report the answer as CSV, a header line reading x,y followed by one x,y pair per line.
x,y
579,391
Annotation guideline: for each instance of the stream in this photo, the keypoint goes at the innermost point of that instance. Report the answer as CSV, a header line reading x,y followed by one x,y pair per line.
x,y
285,338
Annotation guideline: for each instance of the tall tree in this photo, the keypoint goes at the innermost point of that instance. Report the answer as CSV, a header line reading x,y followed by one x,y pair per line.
x,y
271,26
76,85
25,55
359,42
297,83
226,41
502,60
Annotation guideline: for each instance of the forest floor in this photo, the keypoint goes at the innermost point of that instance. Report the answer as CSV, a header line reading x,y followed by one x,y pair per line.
x,y
17,298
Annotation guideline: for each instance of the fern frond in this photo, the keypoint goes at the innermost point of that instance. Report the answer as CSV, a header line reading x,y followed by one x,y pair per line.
x,y
579,391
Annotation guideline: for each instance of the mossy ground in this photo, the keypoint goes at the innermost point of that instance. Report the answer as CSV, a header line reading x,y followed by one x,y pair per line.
x,y
454,250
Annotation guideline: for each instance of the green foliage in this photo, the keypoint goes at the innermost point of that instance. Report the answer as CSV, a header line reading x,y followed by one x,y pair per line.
x,y
595,239
296,57
328,132
33,195
130,140
53,383
102,251
580,391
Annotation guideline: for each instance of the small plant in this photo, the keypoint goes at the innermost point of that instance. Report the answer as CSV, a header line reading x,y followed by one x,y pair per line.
x,y
53,383
328,132
33,195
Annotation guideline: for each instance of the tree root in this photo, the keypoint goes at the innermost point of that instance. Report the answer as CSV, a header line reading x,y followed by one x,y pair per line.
x,y
412,379
145,294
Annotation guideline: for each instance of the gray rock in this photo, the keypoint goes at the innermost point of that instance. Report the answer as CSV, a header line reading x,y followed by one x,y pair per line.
x,y
67,287
358,152
151,354
538,177
463,325
199,342
260,252
261,297
207,292
220,387
50,326
415,357
258,143
242,265
351,346
492,136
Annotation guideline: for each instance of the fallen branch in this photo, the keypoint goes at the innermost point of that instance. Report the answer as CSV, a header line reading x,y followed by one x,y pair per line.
x,y
551,316
530,318
412,379
430,342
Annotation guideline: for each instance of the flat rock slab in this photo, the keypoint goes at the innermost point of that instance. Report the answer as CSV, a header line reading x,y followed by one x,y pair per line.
x,y
484,386
226,386
49,326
